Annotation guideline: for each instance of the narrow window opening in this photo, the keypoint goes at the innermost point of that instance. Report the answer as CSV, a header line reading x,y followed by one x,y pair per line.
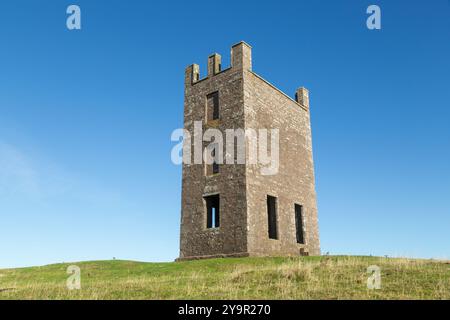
x,y
213,168
299,224
212,106
215,165
272,217
212,211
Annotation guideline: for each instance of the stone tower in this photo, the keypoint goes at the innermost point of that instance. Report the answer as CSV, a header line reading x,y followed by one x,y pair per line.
x,y
235,209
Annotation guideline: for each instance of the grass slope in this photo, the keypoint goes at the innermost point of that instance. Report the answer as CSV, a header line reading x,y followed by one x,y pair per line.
x,y
326,277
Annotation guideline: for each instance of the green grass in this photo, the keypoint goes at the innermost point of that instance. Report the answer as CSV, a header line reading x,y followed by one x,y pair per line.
x,y
326,277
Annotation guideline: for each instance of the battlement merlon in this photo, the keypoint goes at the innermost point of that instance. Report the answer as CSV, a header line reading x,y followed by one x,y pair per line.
x,y
214,64
191,74
302,97
241,58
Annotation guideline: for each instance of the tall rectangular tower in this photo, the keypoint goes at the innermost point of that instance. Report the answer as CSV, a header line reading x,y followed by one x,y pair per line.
x,y
238,209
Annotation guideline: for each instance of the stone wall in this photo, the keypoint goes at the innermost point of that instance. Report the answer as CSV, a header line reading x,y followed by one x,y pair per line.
x,y
231,237
267,107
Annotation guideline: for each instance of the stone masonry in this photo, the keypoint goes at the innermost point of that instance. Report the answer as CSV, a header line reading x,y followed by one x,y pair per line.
x,y
245,100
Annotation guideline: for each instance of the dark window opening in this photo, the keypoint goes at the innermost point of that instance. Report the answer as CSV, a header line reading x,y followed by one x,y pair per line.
x,y
215,167
299,223
212,108
212,167
272,217
212,211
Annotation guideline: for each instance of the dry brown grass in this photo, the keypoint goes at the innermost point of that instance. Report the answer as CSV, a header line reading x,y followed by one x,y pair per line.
x,y
244,278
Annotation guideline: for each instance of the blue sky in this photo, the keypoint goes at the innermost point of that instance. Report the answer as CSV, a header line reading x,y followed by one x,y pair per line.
x,y
86,118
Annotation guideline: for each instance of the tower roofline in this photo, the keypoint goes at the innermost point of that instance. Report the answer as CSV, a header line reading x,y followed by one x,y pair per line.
x,y
241,42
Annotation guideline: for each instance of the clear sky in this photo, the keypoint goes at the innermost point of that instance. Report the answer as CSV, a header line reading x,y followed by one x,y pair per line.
x,y
86,118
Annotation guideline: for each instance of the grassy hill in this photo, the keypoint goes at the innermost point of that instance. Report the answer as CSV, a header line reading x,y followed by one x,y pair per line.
x,y
327,277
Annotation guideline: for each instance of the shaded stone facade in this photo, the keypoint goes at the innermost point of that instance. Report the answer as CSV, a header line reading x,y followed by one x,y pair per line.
x,y
245,100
